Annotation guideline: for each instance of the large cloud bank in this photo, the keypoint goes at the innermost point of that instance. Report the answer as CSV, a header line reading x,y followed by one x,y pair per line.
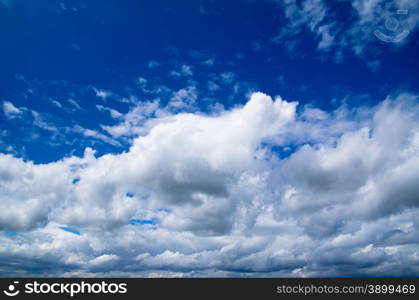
x,y
259,190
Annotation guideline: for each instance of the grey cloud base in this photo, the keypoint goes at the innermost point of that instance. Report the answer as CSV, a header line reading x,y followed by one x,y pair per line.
x,y
224,201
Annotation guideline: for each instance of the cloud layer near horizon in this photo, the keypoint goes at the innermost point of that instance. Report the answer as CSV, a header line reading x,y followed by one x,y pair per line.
x,y
259,189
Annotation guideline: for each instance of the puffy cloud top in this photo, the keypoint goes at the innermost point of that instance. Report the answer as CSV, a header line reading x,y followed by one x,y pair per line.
x,y
224,193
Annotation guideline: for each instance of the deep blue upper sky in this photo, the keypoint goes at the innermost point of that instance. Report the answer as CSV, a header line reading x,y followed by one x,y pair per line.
x,y
65,51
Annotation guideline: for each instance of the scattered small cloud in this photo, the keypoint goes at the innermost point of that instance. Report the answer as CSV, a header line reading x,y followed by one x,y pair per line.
x,y
183,71
153,64
10,110
212,86
228,77
56,103
113,112
209,62
102,94
39,121
184,98
90,133
75,104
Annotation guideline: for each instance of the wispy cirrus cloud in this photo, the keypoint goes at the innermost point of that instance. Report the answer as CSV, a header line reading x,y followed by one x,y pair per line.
x,y
394,21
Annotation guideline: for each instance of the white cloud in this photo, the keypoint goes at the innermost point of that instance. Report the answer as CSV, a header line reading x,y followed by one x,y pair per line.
x,y
344,202
212,86
209,62
372,15
310,14
199,162
134,122
113,112
56,103
183,71
228,77
104,261
184,98
326,38
41,123
102,94
11,111
90,133
353,35
310,113
75,104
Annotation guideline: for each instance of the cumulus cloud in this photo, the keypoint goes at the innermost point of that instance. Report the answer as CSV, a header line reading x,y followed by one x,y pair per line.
x,y
224,194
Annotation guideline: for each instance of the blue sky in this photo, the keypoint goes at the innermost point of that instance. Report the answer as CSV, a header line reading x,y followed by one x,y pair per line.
x,y
209,121
62,51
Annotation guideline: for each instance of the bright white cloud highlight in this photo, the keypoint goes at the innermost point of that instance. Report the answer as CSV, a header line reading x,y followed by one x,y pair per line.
x,y
11,111
225,194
